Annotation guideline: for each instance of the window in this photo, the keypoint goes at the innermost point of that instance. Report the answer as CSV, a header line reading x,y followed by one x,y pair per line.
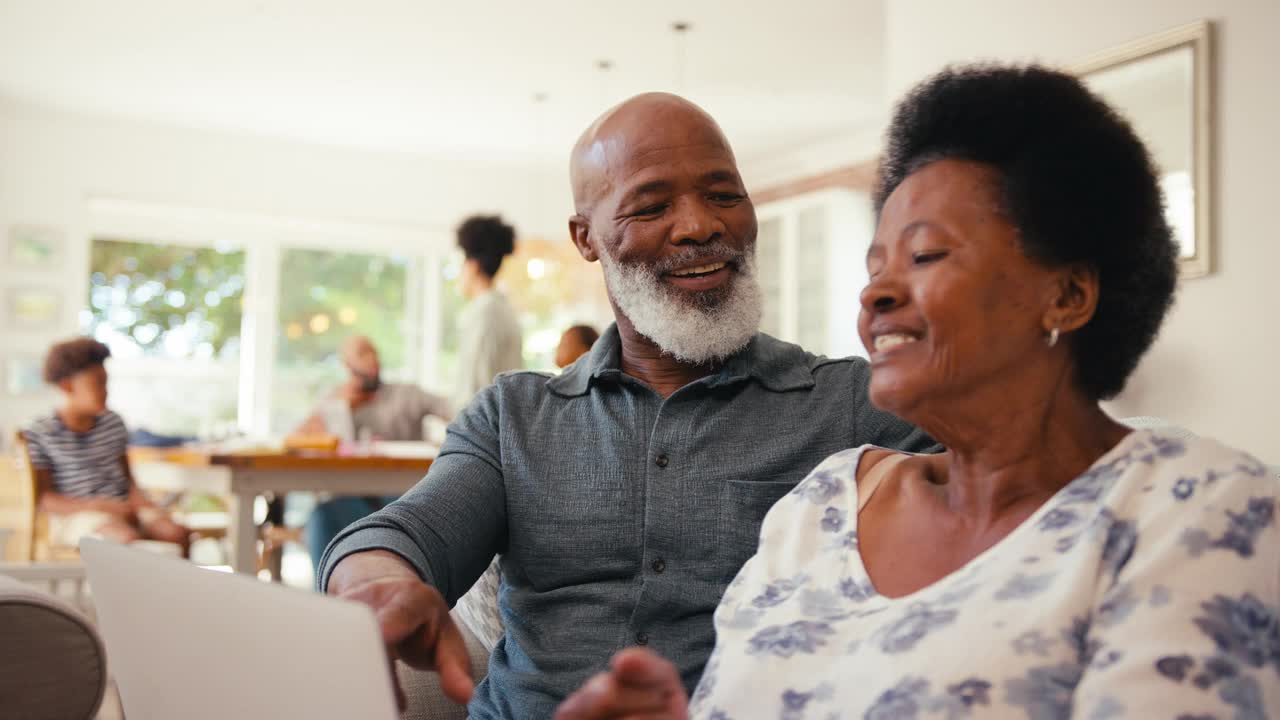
x,y
811,250
769,270
210,337
171,316
451,304
325,297
813,240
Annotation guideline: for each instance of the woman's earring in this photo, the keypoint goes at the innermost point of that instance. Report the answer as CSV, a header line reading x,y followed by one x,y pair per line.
x,y
1053,337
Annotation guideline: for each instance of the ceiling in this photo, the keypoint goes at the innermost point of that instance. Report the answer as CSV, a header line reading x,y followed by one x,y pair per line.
x,y
448,77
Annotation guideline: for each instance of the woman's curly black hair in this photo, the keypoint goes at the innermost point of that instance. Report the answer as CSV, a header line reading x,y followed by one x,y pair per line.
x,y
73,357
1075,181
486,239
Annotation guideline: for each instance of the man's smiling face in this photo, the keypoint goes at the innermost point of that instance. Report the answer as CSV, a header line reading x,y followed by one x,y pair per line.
x,y
663,207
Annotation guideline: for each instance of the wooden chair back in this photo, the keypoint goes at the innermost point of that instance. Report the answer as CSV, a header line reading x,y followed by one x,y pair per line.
x,y
19,502
39,546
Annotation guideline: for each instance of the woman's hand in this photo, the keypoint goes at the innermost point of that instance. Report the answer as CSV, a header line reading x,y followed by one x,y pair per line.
x,y
638,684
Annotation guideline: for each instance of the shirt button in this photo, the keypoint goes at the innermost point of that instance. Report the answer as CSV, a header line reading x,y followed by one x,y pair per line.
x,y
642,638
662,460
659,565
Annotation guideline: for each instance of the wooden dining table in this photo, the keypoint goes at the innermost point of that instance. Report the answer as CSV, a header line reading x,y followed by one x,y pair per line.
x,y
243,476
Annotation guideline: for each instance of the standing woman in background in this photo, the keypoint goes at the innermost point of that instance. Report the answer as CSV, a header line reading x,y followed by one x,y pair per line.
x,y
490,341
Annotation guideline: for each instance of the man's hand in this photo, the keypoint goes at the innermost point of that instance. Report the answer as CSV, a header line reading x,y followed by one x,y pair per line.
x,y
638,685
413,617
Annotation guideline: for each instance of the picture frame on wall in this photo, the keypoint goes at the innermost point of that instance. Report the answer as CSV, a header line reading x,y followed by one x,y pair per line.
x,y
35,246
23,374
27,308
1163,84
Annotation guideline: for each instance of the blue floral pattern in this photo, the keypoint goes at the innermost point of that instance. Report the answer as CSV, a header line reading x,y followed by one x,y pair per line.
x,y
833,520
1244,694
1032,642
786,640
1120,540
920,620
778,592
857,590
1058,519
1242,531
1045,692
1144,588
1243,629
1117,605
1023,586
904,701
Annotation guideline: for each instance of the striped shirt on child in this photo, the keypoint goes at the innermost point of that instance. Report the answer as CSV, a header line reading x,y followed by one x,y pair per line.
x,y
84,464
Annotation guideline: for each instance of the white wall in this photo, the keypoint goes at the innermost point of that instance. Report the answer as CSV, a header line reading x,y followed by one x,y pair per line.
x,y
1214,368
53,163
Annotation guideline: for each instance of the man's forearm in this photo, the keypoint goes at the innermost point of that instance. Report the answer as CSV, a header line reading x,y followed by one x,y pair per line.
x,y
359,568
373,534
448,527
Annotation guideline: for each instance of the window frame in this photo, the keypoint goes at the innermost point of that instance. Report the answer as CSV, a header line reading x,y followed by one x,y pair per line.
x,y
849,227
263,238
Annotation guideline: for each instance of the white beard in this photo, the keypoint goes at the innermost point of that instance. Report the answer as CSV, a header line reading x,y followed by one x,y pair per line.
x,y
691,332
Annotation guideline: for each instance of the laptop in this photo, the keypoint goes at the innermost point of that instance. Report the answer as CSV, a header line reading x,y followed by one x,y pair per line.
x,y
186,642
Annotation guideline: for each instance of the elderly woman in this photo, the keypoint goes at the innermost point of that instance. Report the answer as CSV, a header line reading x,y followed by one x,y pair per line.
x,y
1050,563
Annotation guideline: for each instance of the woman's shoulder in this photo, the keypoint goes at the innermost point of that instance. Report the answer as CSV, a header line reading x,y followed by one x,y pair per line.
x,y
1158,472
1164,454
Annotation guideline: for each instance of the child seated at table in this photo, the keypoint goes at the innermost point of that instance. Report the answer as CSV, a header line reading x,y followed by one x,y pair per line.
x,y
77,452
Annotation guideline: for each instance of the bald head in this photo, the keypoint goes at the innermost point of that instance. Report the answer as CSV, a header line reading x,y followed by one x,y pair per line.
x,y
355,346
627,132
360,356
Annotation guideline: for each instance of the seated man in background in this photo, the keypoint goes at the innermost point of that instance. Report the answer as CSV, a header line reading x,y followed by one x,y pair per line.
x,y
575,343
365,408
78,454
623,495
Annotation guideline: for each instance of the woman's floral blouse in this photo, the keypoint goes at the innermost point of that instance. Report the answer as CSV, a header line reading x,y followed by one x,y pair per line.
x,y
1148,587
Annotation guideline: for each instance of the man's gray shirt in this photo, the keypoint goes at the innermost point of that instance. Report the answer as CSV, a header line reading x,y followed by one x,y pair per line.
x,y
620,517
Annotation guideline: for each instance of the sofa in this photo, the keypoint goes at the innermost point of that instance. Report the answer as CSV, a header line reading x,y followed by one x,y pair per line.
x,y
53,664
425,701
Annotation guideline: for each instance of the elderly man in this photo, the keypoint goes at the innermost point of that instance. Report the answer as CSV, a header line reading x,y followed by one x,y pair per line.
x,y
364,407
626,493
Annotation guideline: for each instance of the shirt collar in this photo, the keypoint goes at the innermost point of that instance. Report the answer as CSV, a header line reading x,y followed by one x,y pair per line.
x,y
776,365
